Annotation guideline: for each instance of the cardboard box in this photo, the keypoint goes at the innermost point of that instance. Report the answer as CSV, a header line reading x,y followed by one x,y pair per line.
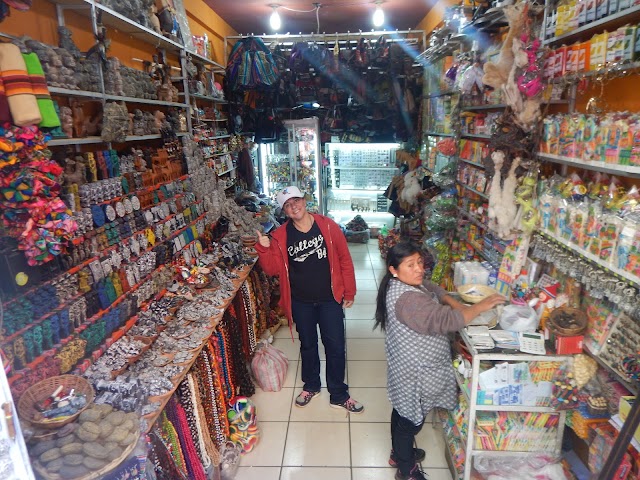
x,y
598,51
602,9
584,56
629,42
568,345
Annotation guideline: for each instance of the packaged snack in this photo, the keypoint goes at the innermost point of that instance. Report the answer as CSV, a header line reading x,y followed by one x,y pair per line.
x,y
634,134
584,56
578,217
629,42
598,50
589,138
625,243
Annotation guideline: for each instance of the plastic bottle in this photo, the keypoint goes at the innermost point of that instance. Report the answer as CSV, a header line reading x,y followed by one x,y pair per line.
x,y
522,282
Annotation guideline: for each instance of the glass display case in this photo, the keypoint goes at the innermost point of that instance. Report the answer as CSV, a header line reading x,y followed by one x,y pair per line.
x,y
14,459
294,160
359,175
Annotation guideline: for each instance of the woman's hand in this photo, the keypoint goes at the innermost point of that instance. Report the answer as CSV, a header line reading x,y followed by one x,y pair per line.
x,y
492,301
263,240
488,303
347,303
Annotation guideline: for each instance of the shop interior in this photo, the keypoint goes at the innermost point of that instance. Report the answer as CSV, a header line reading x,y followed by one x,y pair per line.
x,y
142,148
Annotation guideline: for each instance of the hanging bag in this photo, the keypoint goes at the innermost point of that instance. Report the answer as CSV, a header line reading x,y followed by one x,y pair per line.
x,y
269,366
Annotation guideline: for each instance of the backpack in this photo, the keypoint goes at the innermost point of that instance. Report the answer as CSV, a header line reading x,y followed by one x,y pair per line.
x,y
251,66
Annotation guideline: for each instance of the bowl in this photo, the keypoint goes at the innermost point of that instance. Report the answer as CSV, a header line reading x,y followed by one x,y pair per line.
x,y
43,389
567,321
474,292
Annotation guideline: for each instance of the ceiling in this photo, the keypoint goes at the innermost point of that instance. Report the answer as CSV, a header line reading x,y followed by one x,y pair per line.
x,y
252,16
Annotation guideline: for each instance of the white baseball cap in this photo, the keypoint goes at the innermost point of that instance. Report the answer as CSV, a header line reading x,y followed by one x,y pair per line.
x,y
287,193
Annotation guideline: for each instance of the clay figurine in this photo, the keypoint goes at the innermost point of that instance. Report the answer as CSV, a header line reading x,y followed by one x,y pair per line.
x,y
66,120
74,172
79,126
65,41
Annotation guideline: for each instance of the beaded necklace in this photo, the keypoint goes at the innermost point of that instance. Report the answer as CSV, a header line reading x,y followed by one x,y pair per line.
x,y
223,362
178,418
201,427
211,389
170,439
186,401
160,455
246,292
238,310
242,379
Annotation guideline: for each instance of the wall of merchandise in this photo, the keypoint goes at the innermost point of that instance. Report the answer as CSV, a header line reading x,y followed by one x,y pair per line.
x,y
125,259
575,199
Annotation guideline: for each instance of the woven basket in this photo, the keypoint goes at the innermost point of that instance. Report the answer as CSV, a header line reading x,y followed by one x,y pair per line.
x,y
43,389
480,292
42,472
579,316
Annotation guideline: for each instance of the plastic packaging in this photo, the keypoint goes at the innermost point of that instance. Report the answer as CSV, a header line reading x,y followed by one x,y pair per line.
x,y
269,366
357,237
243,424
230,460
519,318
522,466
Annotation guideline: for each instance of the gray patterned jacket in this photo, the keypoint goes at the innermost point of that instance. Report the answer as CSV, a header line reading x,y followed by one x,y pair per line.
x,y
419,371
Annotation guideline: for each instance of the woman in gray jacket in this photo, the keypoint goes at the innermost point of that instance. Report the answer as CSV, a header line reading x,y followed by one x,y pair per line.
x,y
416,316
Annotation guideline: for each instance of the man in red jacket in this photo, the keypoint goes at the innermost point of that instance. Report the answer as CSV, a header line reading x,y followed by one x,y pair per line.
x,y
310,255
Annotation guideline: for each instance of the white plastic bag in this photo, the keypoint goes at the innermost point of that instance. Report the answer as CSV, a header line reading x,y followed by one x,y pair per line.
x,y
519,318
269,366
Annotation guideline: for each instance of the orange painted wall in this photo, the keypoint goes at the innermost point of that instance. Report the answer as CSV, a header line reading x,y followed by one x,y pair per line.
x,y
203,19
40,23
621,94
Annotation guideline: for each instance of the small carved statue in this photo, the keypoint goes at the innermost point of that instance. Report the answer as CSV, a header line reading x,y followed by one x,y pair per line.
x,y
66,120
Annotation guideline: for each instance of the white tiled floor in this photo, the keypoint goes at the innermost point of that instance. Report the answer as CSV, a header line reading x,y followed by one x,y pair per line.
x,y
319,442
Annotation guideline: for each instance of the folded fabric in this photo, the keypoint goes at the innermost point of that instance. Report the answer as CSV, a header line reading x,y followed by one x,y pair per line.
x,y
48,113
22,101
5,113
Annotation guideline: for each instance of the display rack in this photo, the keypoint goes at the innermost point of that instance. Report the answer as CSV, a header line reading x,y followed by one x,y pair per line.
x,y
359,176
470,391
237,283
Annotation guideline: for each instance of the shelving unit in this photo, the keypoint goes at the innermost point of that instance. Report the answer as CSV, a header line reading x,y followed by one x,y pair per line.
x,y
180,231
467,187
610,22
359,175
621,274
475,136
470,390
631,171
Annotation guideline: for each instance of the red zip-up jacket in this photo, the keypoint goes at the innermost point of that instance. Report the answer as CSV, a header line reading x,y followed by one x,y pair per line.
x,y
275,261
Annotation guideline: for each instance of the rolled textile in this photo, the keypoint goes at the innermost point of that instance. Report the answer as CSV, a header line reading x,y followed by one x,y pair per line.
x,y
5,113
48,113
22,101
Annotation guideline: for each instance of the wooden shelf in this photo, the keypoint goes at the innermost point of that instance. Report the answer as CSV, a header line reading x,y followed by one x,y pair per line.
x,y
243,274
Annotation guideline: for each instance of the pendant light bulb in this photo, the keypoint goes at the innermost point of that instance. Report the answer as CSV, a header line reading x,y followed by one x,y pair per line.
x,y
378,16
274,20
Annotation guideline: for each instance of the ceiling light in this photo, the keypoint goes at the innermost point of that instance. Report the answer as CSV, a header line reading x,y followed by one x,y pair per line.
x,y
378,16
274,20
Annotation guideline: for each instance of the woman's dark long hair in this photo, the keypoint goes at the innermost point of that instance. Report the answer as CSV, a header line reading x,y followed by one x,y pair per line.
x,y
395,256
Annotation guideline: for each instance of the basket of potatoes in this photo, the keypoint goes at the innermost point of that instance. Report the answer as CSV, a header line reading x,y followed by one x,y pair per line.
x,y
96,443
